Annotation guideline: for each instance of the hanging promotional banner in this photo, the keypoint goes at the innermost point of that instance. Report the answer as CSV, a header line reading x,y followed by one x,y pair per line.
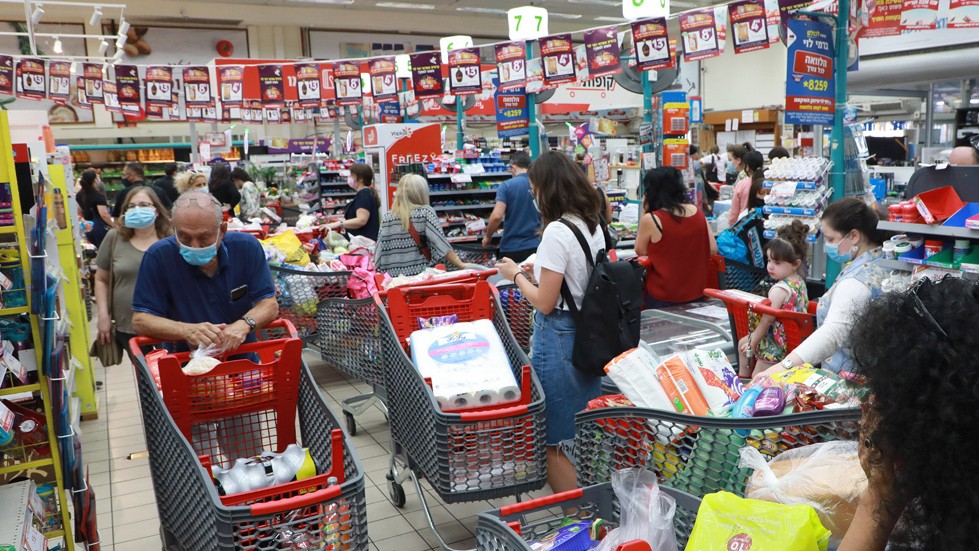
x,y
59,81
602,47
885,20
426,74
512,116
773,17
384,79
698,34
93,82
346,80
270,85
127,85
651,38
83,102
308,77
231,84
919,15
465,76
174,111
557,59
676,114
32,79
6,75
720,22
581,64
159,86
810,87
197,86
390,112
511,65
749,26
786,8
154,112
110,95
963,14
304,145
300,114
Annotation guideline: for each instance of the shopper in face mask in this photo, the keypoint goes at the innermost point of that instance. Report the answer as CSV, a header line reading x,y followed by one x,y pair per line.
x,y
362,213
144,221
850,229
203,285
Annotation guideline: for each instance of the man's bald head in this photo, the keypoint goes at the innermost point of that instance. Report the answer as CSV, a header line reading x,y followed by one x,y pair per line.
x,y
964,156
197,219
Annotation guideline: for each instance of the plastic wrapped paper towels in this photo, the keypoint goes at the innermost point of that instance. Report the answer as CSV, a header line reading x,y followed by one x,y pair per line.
x,y
467,364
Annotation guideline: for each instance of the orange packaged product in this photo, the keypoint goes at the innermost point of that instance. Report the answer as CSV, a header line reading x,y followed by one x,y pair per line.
x,y
681,388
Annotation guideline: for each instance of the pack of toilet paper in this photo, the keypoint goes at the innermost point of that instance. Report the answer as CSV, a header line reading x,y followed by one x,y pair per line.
x,y
467,364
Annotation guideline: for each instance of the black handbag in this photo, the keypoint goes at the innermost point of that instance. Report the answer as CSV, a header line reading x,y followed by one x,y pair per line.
x,y
109,353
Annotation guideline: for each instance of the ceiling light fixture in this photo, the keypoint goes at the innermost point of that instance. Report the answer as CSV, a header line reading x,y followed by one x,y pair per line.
x,y
564,15
58,47
405,6
37,15
96,16
103,46
123,28
74,67
117,56
482,10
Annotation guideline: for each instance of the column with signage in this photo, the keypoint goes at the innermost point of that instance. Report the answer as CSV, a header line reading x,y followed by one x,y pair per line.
x,y
529,23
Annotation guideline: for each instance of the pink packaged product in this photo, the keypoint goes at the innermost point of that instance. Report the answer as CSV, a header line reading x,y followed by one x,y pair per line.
x,y
770,402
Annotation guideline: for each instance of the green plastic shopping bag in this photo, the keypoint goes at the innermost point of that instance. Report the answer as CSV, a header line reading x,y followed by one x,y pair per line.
x,y
726,522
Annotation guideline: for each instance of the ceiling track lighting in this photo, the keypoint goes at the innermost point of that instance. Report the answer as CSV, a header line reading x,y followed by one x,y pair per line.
x,y
58,47
103,46
96,16
123,29
74,67
37,15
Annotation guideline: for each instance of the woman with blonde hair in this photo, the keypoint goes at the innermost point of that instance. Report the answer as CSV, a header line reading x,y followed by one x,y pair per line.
x,y
411,237
190,179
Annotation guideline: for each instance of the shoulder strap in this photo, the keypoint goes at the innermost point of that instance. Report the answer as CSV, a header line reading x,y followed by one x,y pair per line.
x,y
565,290
581,241
112,271
426,252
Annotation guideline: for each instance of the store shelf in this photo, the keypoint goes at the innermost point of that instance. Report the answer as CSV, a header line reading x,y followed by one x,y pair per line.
x,y
14,513
769,234
463,192
19,389
8,230
464,207
791,211
925,229
99,147
120,163
14,311
891,264
330,194
807,186
477,175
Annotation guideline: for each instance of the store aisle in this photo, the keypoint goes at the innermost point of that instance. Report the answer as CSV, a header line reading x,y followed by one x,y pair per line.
x,y
114,449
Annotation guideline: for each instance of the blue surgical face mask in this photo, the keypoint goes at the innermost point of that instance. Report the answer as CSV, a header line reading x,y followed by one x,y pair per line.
x,y
139,217
198,256
833,252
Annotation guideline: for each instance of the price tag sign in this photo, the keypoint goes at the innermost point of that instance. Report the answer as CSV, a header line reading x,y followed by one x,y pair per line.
x,y
528,22
453,43
402,66
634,10
783,189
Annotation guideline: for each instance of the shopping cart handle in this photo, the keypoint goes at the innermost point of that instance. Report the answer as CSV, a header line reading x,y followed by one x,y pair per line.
x,y
644,261
136,343
540,502
296,502
492,414
635,545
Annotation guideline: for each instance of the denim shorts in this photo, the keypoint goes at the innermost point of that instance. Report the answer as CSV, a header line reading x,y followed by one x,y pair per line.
x,y
566,390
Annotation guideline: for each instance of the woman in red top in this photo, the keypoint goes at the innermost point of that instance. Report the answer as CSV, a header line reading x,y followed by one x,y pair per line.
x,y
675,236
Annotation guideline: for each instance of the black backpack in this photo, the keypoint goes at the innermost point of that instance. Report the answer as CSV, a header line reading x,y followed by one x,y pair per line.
x,y
609,321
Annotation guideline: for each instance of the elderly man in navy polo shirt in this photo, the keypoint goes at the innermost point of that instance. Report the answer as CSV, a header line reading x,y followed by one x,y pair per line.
x,y
203,285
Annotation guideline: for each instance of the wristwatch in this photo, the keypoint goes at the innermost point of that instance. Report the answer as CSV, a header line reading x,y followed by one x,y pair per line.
x,y
251,323
787,364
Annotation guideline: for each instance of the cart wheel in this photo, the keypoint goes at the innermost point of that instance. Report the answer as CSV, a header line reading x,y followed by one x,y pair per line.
x,y
397,492
351,424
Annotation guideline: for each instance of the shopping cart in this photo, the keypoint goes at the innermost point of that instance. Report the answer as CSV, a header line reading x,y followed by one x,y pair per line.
x,y
698,455
466,455
299,293
519,314
510,528
255,407
476,254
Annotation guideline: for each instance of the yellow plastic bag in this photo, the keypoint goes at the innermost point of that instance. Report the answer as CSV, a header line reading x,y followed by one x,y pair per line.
x,y
726,522
288,243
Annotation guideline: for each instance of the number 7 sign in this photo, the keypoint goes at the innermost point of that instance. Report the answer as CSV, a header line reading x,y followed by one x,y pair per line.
x,y
528,23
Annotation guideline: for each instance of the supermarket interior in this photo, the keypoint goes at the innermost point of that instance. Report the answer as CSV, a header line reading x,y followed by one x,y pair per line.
x,y
277,276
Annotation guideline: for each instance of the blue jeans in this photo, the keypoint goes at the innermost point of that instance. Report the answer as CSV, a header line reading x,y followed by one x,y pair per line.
x,y
566,389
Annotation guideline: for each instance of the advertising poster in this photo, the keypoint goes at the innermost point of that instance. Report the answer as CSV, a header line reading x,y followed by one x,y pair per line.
x,y
110,95
82,98
154,112
175,113
197,86
271,86
676,114
6,75
346,79
93,82
963,14
557,58
919,15
159,85
651,38
127,86
774,19
885,20
581,64
231,83
788,7
602,46
465,77
511,65
810,88
675,153
720,22
426,74
308,78
748,25
512,117
698,34
33,79
59,81
384,79
390,111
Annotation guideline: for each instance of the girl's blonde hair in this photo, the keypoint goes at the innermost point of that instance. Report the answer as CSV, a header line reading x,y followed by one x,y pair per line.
x,y
412,193
183,180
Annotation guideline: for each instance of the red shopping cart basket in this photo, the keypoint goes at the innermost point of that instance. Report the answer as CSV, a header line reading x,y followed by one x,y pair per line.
x,y
236,410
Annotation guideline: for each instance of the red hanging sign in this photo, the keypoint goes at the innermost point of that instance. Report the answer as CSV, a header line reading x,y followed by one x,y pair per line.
x,y
59,81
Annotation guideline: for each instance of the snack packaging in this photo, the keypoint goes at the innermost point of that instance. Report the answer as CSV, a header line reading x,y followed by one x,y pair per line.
x,y
826,476
634,372
609,401
716,379
203,360
726,522
680,387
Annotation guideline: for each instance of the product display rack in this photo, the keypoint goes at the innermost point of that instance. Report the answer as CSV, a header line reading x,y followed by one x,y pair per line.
x,y
21,459
937,261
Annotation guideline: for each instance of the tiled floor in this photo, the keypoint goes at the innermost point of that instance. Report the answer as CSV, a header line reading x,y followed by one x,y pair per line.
x,y
126,506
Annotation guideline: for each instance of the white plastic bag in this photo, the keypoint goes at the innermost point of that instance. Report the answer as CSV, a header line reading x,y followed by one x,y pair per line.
x,y
646,513
827,476
203,360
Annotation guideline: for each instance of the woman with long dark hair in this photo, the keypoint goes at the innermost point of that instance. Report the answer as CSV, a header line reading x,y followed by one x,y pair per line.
x,y
748,193
223,188
362,214
563,194
93,207
675,236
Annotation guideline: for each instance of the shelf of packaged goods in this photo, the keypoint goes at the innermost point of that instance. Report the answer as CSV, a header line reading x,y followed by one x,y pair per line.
x,y
15,513
98,147
769,234
807,186
98,164
332,184
331,194
13,311
468,238
464,207
925,229
791,211
477,175
330,171
892,264
463,192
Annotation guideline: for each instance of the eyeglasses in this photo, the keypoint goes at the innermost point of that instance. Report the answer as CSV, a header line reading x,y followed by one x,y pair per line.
x,y
913,305
144,205
202,201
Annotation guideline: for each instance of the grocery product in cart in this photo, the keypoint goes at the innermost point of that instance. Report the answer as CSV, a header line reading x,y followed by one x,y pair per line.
x,y
239,409
726,521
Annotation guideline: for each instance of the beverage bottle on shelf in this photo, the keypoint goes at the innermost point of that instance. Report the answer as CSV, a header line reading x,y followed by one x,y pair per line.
x,y
59,209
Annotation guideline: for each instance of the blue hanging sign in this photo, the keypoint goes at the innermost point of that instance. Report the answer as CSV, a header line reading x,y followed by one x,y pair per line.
x,y
810,85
